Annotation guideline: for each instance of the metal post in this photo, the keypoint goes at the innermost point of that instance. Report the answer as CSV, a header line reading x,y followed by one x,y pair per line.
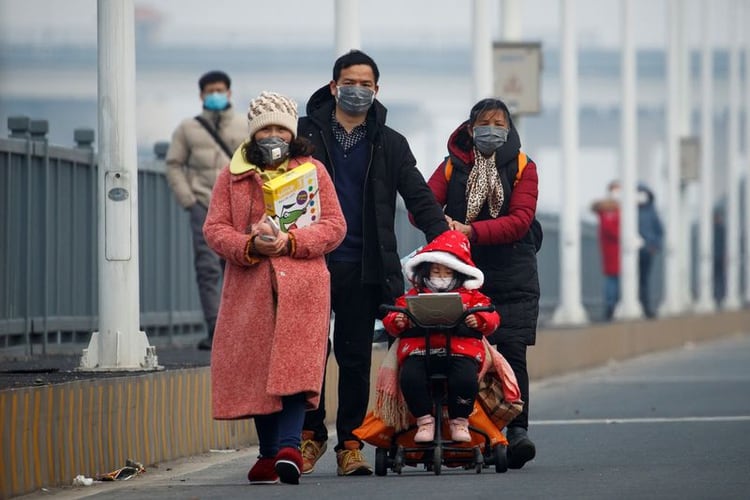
x,y
347,26
746,164
629,307
706,303
685,130
511,20
119,344
570,310
481,50
672,304
732,265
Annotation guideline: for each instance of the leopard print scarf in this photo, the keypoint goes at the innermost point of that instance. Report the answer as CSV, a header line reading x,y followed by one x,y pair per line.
x,y
483,186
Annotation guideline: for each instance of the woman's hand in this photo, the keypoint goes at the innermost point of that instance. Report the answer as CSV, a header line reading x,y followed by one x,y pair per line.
x,y
272,248
267,240
464,228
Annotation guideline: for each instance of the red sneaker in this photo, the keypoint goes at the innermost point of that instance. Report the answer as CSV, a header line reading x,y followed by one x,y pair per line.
x,y
289,465
263,472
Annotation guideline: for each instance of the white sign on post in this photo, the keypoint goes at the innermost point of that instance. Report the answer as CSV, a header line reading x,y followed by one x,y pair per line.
x,y
690,154
517,70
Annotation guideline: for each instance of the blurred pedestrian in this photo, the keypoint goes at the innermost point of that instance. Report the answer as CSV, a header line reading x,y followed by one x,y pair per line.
x,y
608,213
370,164
271,337
200,147
489,189
652,235
720,233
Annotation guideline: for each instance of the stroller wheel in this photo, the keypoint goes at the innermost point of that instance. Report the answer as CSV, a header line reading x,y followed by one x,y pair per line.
x,y
381,461
478,460
398,460
500,459
437,460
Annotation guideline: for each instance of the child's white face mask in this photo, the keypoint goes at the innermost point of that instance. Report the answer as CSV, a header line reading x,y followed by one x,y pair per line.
x,y
440,284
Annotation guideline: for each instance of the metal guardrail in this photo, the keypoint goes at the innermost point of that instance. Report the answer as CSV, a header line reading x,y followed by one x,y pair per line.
x,y
48,246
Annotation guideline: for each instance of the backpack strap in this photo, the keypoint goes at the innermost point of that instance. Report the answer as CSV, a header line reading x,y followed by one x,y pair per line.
x,y
448,168
223,145
523,160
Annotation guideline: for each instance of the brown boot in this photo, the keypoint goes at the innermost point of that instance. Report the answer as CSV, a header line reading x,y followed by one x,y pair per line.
x,y
311,451
351,461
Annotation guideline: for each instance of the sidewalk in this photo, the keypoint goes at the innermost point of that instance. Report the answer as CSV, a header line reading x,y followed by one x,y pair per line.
x,y
18,370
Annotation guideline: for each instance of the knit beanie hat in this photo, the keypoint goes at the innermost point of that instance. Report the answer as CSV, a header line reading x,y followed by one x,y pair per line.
x,y
451,249
270,108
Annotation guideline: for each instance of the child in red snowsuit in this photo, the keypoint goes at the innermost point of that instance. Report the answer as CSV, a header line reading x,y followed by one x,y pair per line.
x,y
444,265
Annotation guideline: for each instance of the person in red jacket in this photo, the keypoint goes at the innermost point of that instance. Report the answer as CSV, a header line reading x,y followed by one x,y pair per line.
x,y
608,212
444,265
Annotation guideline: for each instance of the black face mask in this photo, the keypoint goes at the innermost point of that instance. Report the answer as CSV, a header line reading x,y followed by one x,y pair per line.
x,y
354,99
488,138
274,150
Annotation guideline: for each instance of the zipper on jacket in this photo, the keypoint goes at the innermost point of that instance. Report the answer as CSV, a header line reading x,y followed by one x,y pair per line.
x,y
364,203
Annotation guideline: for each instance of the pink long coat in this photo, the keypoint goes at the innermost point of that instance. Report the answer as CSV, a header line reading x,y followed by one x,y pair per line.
x,y
263,351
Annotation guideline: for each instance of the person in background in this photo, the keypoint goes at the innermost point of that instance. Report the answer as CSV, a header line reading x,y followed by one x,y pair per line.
x,y
720,265
443,265
200,147
652,233
608,213
489,189
271,338
370,164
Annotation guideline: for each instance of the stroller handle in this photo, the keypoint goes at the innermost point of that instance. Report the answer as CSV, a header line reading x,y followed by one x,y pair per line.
x,y
385,308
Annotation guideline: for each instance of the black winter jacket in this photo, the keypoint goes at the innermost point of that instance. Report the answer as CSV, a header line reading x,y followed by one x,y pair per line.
x,y
392,170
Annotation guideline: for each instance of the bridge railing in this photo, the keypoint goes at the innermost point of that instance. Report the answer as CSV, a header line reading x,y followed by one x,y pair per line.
x,y
48,247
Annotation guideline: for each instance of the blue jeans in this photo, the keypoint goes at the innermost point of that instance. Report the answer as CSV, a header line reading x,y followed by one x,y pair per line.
x,y
611,295
281,429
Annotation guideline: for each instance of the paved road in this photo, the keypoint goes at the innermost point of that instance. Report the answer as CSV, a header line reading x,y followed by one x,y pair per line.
x,y
669,425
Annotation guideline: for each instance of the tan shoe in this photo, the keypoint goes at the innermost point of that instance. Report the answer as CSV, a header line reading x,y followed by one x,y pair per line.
x,y
311,451
351,461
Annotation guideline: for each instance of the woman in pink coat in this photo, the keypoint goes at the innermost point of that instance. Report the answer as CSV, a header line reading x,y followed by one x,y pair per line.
x,y
269,347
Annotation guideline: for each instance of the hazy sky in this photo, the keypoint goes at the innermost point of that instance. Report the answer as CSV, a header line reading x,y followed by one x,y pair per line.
x,y
435,22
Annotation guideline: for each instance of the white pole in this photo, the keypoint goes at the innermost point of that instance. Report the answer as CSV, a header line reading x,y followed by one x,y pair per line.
x,y
511,20
119,344
685,130
746,163
672,304
570,310
629,307
347,26
732,265
706,303
481,50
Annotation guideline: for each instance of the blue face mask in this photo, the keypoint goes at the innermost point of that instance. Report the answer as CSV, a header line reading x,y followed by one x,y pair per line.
x,y
216,101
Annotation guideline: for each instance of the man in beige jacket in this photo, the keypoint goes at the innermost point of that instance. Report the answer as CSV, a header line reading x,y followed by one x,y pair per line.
x,y
200,147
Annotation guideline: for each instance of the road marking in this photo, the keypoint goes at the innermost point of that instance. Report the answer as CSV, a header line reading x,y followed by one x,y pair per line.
x,y
653,420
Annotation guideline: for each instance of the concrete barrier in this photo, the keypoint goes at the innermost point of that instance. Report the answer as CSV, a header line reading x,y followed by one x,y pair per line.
x,y
50,434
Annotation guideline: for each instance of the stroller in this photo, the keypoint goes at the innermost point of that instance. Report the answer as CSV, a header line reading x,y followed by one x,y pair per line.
x,y
488,445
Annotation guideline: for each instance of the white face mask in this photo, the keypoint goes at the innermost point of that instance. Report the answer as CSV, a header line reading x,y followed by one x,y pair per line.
x,y
439,284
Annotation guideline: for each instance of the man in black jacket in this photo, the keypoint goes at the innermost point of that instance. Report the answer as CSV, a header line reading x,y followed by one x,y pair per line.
x,y
369,163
